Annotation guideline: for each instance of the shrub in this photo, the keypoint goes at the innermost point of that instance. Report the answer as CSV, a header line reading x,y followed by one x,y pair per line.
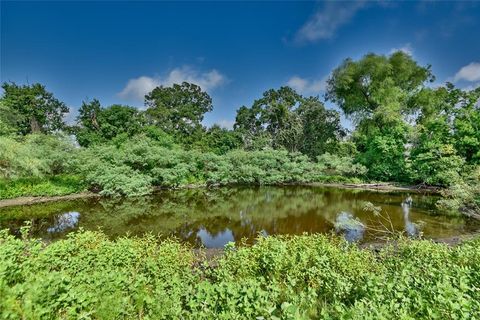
x,y
36,156
298,277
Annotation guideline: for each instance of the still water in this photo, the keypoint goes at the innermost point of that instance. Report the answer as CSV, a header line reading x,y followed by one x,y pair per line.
x,y
214,217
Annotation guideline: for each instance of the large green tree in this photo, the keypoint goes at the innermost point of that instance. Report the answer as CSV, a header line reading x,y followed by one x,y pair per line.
x,y
178,109
36,110
377,85
96,124
377,93
285,119
321,128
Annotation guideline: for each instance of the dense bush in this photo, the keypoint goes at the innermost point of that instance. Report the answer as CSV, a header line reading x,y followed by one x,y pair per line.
x,y
342,166
136,165
36,156
300,277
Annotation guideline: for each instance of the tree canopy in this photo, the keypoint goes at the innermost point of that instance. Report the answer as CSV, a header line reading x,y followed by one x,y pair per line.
x,y
178,109
34,109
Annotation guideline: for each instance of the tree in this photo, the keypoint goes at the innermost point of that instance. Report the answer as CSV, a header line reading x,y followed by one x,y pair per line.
x,y
377,84
285,119
8,120
178,109
88,115
218,140
271,120
322,129
37,109
381,148
379,92
448,126
96,124
466,126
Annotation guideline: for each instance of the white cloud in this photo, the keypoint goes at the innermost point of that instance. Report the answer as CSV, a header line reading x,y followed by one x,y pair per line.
x,y
225,123
472,87
137,88
324,23
306,86
407,49
470,72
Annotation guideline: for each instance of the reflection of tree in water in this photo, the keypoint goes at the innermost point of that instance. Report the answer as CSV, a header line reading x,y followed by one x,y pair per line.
x,y
245,211
64,222
40,216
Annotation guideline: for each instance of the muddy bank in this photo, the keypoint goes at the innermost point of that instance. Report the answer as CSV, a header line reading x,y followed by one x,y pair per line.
x,y
34,200
381,187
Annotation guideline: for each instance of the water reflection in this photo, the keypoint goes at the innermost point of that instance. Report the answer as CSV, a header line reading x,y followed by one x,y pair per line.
x,y
351,228
213,217
64,222
411,229
217,240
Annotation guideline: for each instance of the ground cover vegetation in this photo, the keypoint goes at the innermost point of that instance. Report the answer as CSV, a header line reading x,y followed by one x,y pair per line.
x,y
87,276
404,130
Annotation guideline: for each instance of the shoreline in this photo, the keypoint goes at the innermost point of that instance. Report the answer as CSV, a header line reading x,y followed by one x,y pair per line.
x,y
30,200
379,187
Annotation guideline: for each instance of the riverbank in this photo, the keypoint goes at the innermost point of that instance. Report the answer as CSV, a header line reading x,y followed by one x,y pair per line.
x,y
22,201
384,187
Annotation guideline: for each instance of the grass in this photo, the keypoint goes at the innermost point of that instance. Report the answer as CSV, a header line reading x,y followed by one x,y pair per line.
x,y
49,186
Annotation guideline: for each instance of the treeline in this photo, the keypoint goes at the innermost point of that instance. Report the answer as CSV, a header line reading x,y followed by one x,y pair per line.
x,y
405,130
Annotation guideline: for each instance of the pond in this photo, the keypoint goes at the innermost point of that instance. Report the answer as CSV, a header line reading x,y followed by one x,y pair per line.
x,y
214,217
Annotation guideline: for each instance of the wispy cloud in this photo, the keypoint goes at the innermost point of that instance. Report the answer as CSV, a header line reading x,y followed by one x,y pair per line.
x,y
407,48
324,23
136,88
225,123
470,73
307,86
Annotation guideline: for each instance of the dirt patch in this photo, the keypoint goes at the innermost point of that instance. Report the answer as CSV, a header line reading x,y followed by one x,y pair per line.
x,y
33,200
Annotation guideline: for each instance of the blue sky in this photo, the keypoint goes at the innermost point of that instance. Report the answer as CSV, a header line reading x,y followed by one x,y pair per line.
x,y
116,51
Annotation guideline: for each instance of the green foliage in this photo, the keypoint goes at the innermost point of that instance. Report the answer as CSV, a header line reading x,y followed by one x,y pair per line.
x,y
36,156
463,195
382,149
135,166
218,140
45,186
300,277
377,84
440,166
35,110
96,124
284,119
179,109
342,166
8,119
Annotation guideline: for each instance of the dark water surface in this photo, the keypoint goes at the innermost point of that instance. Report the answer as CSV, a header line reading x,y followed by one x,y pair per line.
x,y
214,217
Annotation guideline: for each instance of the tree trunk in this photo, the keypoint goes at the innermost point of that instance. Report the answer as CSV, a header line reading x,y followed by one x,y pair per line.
x,y
35,126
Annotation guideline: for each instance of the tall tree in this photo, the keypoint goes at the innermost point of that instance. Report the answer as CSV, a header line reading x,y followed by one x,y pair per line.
x,y
271,120
96,124
178,109
321,128
8,119
37,109
377,93
285,119
377,84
